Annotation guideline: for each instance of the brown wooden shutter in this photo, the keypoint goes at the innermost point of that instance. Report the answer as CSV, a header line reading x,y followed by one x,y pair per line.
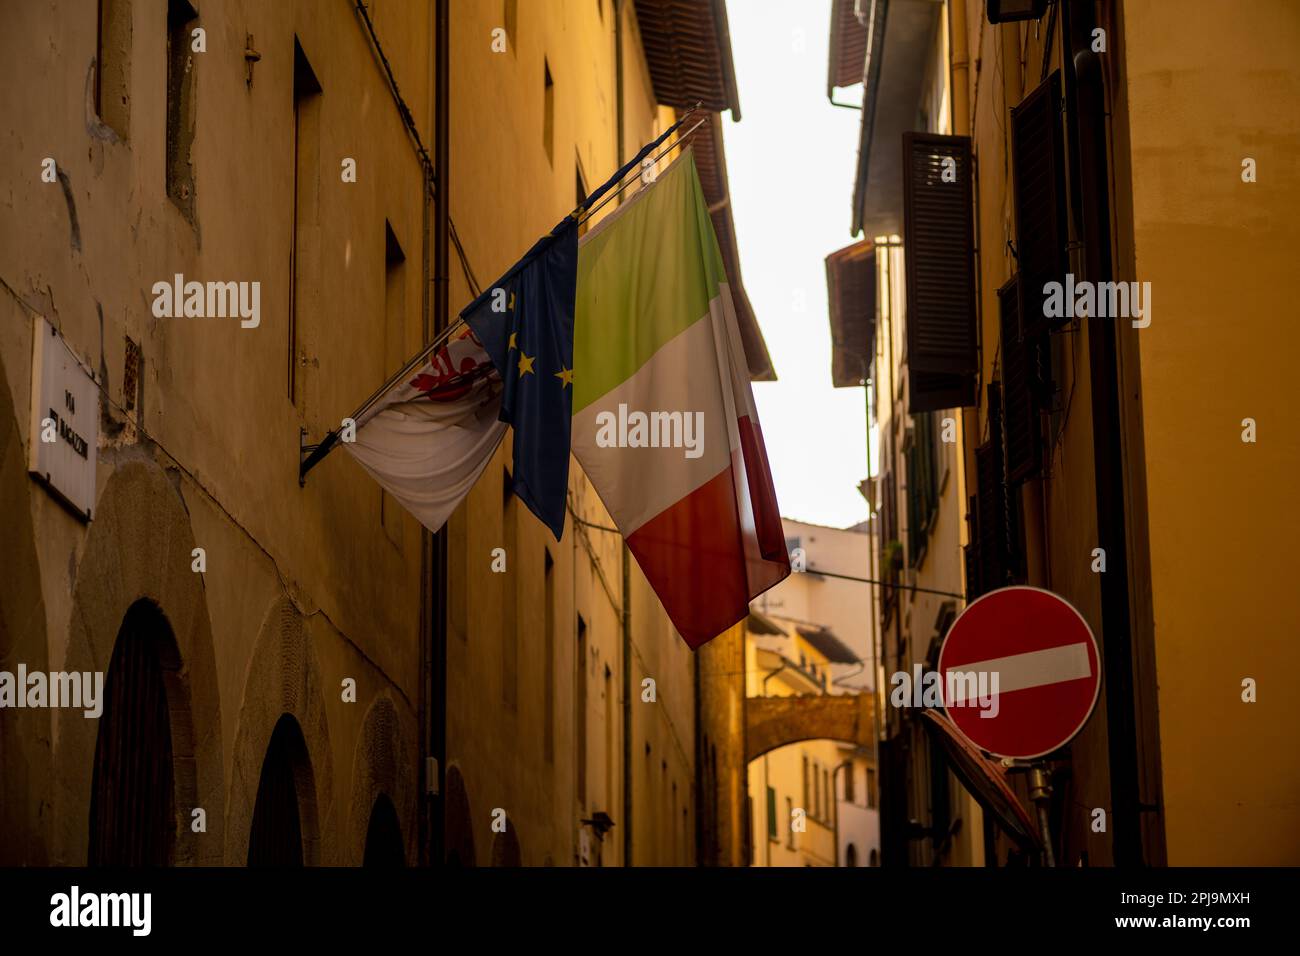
x,y
1020,354
1038,183
991,512
942,358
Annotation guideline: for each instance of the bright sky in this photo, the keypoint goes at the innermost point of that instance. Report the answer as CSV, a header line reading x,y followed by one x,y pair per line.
x,y
791,163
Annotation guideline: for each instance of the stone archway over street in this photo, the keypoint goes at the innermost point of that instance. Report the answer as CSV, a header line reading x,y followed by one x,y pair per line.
x,y
772,722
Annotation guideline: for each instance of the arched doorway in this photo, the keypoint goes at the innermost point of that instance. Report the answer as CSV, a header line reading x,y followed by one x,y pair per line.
x,y
384,836
458,825
505,847
275,838
851,856
132,798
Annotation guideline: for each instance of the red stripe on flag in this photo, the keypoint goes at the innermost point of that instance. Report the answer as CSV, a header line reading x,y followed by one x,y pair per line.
x,y
762,493
691,554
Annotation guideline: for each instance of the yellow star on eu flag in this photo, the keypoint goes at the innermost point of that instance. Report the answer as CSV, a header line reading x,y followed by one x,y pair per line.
x,y
565,375
512,344
525,364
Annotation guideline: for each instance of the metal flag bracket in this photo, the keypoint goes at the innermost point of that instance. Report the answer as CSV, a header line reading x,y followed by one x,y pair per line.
x,y
310,455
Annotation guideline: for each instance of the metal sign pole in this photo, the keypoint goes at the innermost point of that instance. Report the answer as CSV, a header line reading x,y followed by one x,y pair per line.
x,y
1040,791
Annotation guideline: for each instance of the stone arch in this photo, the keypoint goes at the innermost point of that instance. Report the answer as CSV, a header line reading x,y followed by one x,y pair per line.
x,y
458,823
772,722
383,765
139,548
283,677
25,739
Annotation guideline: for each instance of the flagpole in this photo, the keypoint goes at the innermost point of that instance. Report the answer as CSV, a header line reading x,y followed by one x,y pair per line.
x,y
680,141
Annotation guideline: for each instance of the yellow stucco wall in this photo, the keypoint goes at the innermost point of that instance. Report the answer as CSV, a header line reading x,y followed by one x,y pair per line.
x,y
1219,254
328,571
506,192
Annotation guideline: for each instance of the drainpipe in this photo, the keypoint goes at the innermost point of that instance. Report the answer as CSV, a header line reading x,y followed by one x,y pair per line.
x,y
873,543
1086,123
438,569
835,807
627,555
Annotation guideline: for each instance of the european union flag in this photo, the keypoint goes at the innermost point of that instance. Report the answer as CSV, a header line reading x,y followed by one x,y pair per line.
x,y
525,322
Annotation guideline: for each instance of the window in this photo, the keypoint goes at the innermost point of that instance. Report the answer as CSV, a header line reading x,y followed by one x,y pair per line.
x,y
548,114
580,716
771,814
510,599
306,161
806,802
871,788
548,675
789,823
1038,187
848,782
610,760
942,357
181,66
113,65
827,796
1022,386
991,517
922,485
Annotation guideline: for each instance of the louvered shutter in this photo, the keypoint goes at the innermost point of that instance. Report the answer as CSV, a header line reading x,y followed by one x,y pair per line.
x,y
1020,354
971,552
940,272
991,531
1038,184
991,513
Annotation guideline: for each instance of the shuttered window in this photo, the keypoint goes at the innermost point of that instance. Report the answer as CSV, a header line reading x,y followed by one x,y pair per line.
x,y
991,510
1020,354
922,486
971,553
888,541
942,356
1038,184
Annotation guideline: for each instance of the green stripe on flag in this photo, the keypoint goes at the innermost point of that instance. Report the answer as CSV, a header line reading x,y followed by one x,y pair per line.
x,y
642,279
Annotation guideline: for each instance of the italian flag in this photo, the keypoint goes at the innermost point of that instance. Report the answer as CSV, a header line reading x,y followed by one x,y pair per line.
x,y
664,422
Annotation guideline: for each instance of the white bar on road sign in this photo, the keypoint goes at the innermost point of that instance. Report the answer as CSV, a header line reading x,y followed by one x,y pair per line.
x,y
1053,665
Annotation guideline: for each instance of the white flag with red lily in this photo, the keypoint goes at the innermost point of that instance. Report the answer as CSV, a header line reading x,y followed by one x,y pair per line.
x,y
428,438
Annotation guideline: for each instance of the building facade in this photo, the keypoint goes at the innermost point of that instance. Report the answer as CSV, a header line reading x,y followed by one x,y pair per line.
x,y
917,491
1094,148
266,645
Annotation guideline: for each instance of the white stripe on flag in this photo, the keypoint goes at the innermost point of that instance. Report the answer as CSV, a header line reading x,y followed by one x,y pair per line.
x,y
1054,665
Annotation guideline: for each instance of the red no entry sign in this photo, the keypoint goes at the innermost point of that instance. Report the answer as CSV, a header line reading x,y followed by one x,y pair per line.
x,y
1020,672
